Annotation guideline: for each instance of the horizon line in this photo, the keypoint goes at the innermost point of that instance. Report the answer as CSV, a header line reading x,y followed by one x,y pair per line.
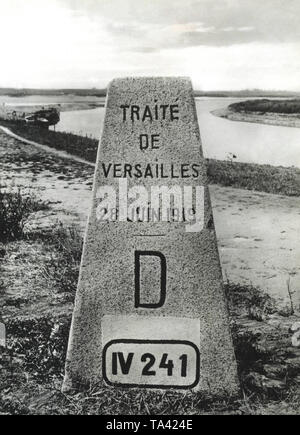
x,y
77,88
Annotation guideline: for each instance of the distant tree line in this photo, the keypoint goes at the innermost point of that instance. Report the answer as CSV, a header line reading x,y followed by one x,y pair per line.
x,y
265,105
12,92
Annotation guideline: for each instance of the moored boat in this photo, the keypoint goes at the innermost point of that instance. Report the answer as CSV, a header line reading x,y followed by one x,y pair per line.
x,y
42,117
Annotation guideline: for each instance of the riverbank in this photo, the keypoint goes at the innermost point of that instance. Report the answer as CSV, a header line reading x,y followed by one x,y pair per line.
x,y
269,118
250,176
74,106
38,280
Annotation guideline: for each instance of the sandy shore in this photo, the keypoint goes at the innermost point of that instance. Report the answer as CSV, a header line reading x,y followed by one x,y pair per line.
x,y
285,120
258,233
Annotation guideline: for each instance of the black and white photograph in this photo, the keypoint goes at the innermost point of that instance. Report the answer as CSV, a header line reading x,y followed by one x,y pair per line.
x,y
149,210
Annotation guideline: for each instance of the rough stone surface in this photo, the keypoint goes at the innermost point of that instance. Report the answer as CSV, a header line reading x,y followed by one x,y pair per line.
x,y
107,282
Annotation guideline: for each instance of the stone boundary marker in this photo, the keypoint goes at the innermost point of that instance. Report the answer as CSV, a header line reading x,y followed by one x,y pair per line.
x,y
150,311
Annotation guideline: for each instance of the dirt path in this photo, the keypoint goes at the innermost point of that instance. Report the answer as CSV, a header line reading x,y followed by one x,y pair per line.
x,y
258,233
61,154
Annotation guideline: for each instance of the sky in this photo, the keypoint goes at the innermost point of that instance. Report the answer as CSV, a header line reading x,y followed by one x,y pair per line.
x,y
220,44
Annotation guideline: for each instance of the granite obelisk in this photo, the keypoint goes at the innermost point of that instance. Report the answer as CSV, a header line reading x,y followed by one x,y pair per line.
x,y
150,309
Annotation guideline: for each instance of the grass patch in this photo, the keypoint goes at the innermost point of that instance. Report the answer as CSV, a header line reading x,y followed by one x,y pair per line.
x,y
61,270
268,364
40,345
262,178
82,146
33,368
15,207
245,300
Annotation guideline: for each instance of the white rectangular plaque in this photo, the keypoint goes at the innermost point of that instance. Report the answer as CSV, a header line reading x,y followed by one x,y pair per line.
x,y
151,352
151,363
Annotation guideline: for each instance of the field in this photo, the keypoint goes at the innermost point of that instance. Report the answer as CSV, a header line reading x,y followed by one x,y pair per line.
x,y
41,199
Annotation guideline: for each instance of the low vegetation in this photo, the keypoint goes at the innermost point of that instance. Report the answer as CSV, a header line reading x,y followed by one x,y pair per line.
x,y
81,146
245,300
262,178
268,106
62,268
15,206
32,369
40,343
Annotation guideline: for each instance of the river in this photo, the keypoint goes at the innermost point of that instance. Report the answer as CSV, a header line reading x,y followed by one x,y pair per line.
x,y
249,142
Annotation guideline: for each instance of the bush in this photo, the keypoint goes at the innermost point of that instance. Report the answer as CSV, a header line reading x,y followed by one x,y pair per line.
x,y
62,269
15,207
